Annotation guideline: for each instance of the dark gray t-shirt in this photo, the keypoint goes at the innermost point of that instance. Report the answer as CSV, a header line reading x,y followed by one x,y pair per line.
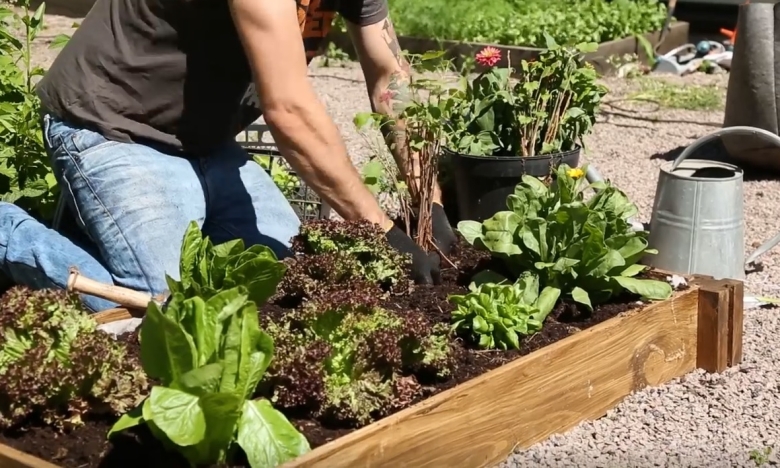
x,y
172,73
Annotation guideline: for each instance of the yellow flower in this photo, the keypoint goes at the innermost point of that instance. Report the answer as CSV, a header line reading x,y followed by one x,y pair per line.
x,y
575,173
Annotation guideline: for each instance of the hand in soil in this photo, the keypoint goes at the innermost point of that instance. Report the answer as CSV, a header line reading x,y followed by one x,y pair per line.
x,y
425,266
443,235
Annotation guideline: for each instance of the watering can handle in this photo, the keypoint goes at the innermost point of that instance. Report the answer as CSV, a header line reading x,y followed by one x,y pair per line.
x,y
759,132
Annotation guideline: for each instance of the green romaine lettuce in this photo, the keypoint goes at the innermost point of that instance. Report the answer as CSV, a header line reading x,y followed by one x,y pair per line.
x,y
208,352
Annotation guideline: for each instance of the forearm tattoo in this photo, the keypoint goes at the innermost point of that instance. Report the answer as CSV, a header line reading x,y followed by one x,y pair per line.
x,y
393,100
396,95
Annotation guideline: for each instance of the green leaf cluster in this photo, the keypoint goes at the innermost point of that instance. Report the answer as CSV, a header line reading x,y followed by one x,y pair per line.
x,y
56,365
25,174
375,260
549,109
206,269
498,315
585,248
525,22
380,173
283,177
208,352
352,363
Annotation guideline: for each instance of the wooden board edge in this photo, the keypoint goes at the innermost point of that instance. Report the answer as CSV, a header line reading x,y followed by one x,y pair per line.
x,y
12,458
327,452
721,323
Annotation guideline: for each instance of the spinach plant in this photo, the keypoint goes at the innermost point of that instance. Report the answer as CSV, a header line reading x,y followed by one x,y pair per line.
x,y
498,315
208,352
585,248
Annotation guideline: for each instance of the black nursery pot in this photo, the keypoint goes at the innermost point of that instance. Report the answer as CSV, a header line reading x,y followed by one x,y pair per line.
x,y
483,183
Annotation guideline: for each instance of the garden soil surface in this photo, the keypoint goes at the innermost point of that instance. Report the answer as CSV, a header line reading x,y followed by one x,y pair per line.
x,y
87,447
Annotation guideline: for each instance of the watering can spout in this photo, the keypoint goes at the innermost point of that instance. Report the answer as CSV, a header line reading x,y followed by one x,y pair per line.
x,y
697,224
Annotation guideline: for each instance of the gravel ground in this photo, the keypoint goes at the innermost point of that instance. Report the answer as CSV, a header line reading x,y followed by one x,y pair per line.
x,y
700,420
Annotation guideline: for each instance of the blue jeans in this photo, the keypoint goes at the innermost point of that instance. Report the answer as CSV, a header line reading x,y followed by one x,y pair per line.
x,y
134,203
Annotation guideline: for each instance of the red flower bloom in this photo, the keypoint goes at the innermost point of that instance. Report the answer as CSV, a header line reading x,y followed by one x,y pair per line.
x,y
489,56
386,97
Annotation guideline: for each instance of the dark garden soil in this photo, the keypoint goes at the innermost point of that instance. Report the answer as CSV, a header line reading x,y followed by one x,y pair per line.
x,y
564,320
87,447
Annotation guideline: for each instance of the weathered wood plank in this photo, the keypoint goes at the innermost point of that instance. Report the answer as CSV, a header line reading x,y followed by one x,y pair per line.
x,y
12,458
713,328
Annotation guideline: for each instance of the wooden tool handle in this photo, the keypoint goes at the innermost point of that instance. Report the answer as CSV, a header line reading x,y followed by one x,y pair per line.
x,y
122,296
115,315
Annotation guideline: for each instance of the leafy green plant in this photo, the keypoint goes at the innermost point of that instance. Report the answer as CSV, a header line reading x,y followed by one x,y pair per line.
x,y
208,353
206,269
585,248
498,315
57,366
209,357
525,22
381,173
345,359
317,276
25,174
761,456
287,182
334,56
548,110
372,258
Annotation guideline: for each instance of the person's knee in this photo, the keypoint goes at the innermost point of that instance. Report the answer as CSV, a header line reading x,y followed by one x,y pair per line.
x,y
11,217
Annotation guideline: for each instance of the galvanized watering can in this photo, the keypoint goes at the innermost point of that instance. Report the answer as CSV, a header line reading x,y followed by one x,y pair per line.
x,y
698,220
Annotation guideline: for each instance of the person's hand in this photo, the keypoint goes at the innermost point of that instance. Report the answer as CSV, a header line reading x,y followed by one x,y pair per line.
x,y
425,266
443,235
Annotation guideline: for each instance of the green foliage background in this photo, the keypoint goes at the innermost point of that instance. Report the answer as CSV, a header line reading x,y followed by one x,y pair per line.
x,y
524,22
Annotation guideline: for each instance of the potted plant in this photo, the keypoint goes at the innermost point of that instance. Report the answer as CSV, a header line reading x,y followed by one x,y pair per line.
x,y
502,129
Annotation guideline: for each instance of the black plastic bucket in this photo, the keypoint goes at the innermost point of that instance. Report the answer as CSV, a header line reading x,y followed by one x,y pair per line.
x,y
483,183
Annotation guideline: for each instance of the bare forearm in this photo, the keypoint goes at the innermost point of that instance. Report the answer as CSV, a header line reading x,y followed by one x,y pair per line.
x,y
313,146
391,96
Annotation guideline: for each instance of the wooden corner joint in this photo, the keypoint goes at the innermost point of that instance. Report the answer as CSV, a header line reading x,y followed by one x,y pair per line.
x,y
720,323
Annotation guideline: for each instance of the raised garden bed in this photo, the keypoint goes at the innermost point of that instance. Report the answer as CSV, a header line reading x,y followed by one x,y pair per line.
x,y
554,388
536,325
576,369
600,59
